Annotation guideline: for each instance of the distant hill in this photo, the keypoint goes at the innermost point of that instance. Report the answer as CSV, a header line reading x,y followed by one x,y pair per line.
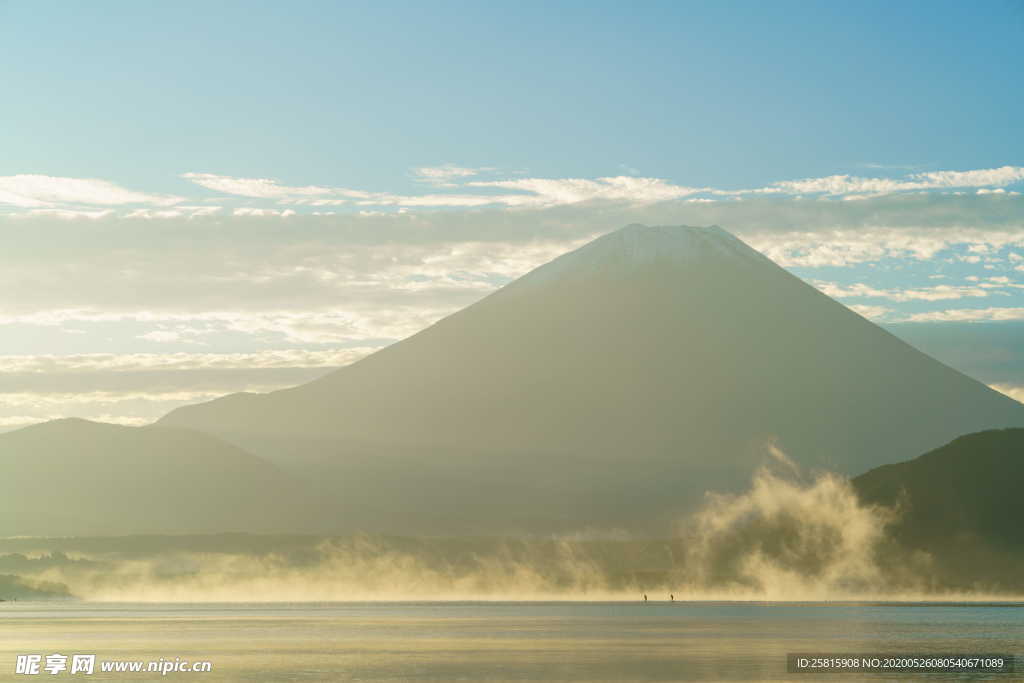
x,y
74,477
971,487
963,505
611,387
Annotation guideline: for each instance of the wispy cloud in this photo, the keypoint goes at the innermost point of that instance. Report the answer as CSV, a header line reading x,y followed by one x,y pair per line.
x,y
896,167
43,191
52,364
180,211
258,188
936,293
255,211
997,177
871,312
1014,391
459,187
526,192
839,185
849,246
444,175
968,315
551,191
75,214
358,323
543,192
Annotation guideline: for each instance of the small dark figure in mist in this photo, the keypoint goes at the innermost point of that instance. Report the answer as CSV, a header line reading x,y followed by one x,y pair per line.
x,y
671,597
645,597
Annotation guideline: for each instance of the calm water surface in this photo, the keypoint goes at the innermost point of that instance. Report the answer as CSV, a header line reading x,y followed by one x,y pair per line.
x,y
499,641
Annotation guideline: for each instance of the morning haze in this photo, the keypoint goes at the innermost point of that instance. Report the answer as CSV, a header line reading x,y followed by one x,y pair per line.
x,y
562,341
600,399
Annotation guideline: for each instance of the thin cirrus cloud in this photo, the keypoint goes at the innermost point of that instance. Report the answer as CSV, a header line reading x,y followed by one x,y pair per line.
x,y
541,192
42,191
122,363
936,293
527,192
256,188
313,195
870,312
850,246
993,286
838,185
1014,391
460,187
576,190
446,174
969,315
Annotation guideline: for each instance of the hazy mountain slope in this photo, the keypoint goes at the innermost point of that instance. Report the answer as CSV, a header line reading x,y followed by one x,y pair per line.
x,y
78,477
611,386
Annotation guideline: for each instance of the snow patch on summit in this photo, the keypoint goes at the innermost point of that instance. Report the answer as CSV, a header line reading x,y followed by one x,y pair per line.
x,y
639,246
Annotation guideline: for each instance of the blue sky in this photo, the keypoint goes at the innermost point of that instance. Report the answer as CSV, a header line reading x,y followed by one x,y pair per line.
x,y
355,94
198,198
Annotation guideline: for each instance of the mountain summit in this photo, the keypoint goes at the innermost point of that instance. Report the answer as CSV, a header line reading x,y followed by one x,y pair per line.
x,y
639,246
612,386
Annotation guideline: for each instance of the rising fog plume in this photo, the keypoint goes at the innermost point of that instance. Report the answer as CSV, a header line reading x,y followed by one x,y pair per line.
x,y
790,537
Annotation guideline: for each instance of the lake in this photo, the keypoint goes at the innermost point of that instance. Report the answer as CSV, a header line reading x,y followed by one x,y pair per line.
x,y
500,641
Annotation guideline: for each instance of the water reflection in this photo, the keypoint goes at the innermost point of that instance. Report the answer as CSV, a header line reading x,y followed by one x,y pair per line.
x,y
549,641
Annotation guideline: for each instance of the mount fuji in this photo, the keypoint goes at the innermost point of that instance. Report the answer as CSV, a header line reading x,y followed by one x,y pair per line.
x,y
610,387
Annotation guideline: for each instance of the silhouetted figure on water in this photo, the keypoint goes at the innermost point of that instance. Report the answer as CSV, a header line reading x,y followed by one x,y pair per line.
x,y
645,597
671,597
